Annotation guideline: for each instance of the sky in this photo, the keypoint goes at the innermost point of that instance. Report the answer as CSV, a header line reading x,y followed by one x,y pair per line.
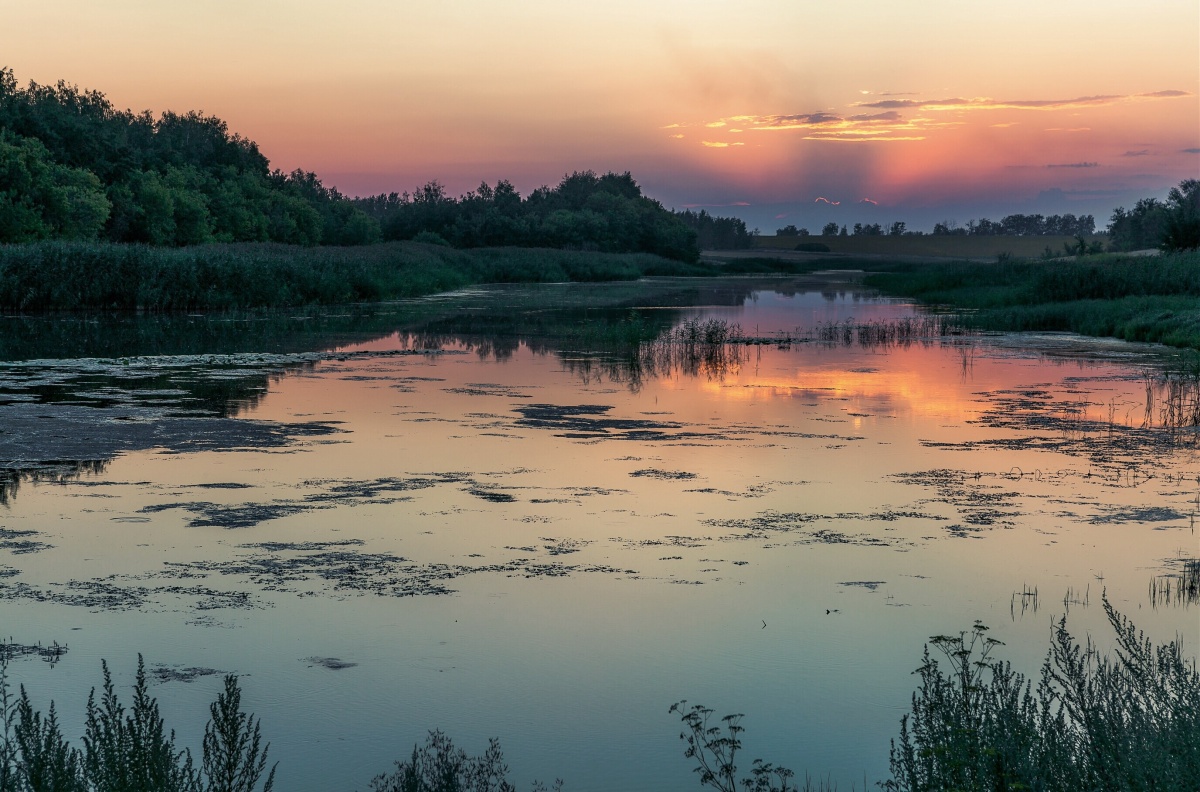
x,y
776,111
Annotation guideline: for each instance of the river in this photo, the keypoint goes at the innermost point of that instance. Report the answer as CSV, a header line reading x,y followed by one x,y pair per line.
x,y
547,513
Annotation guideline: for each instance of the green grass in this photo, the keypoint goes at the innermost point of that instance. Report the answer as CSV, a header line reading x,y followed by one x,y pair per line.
x,y
48,276
1151,298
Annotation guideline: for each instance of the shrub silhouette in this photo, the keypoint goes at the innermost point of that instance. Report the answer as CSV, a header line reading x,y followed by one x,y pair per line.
x,y
128,750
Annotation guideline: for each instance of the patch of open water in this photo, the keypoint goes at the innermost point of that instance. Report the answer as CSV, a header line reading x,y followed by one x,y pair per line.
x,y
515,535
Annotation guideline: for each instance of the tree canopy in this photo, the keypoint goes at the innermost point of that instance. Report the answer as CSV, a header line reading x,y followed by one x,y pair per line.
x,y
73,166
585,211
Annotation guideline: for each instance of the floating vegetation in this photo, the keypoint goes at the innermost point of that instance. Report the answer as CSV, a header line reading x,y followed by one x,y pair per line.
x,y
350,572
491,495
330,494
15,541
162,673
557,547
768,523
332,663
1138,514
52,653
869,585
979,504
230,517
591,421
663,475
490,389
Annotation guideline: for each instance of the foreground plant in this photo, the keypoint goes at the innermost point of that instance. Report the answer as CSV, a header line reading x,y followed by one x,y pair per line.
x,y
440,766
715,747
1128,721
128,750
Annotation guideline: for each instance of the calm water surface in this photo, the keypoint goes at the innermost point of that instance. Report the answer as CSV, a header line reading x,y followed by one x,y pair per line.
x,y
467,519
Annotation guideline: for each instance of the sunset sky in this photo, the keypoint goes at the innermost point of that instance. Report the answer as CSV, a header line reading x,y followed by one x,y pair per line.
x,y
780,111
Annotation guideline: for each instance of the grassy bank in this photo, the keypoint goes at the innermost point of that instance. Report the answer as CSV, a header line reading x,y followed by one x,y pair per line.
x,y
105,276
1152,298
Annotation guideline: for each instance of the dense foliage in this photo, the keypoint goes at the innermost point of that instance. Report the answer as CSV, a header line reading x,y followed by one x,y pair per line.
x,y
1173,224
717,233
1127,721
1023,225
585,211
74,167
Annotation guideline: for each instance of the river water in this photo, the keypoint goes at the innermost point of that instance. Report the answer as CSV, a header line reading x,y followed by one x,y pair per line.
x,y
495,513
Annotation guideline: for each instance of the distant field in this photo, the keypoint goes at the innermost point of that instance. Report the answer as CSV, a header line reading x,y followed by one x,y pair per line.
x,y
961,247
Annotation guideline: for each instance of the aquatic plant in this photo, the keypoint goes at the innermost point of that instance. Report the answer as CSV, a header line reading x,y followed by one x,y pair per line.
x,y
1181,587
903,332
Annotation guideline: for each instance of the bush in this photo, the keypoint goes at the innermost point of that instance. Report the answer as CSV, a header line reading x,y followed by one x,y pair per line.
x,y
128,751
439,766
1124,722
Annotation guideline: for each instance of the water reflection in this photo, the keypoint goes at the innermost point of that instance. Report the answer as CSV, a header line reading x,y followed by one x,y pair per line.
x,y
563,503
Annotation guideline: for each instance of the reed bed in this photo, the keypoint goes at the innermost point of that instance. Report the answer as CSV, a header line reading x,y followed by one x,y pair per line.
x,y
925,328
1180,588
74,276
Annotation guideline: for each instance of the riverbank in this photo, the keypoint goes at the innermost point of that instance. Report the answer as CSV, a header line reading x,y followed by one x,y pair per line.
x,y
48,276
1133,298
105,276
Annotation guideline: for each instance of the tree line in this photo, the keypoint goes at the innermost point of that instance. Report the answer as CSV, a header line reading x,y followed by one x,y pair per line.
x,y
585,211
1012,225
74,167
1171,224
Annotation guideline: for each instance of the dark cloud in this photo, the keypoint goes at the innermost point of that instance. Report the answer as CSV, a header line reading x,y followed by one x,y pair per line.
x,y
1191,151
890,117
899,104
802,118
1075,165
1139,153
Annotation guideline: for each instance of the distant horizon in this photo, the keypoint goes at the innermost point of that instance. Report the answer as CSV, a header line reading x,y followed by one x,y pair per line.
x,y
772,112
